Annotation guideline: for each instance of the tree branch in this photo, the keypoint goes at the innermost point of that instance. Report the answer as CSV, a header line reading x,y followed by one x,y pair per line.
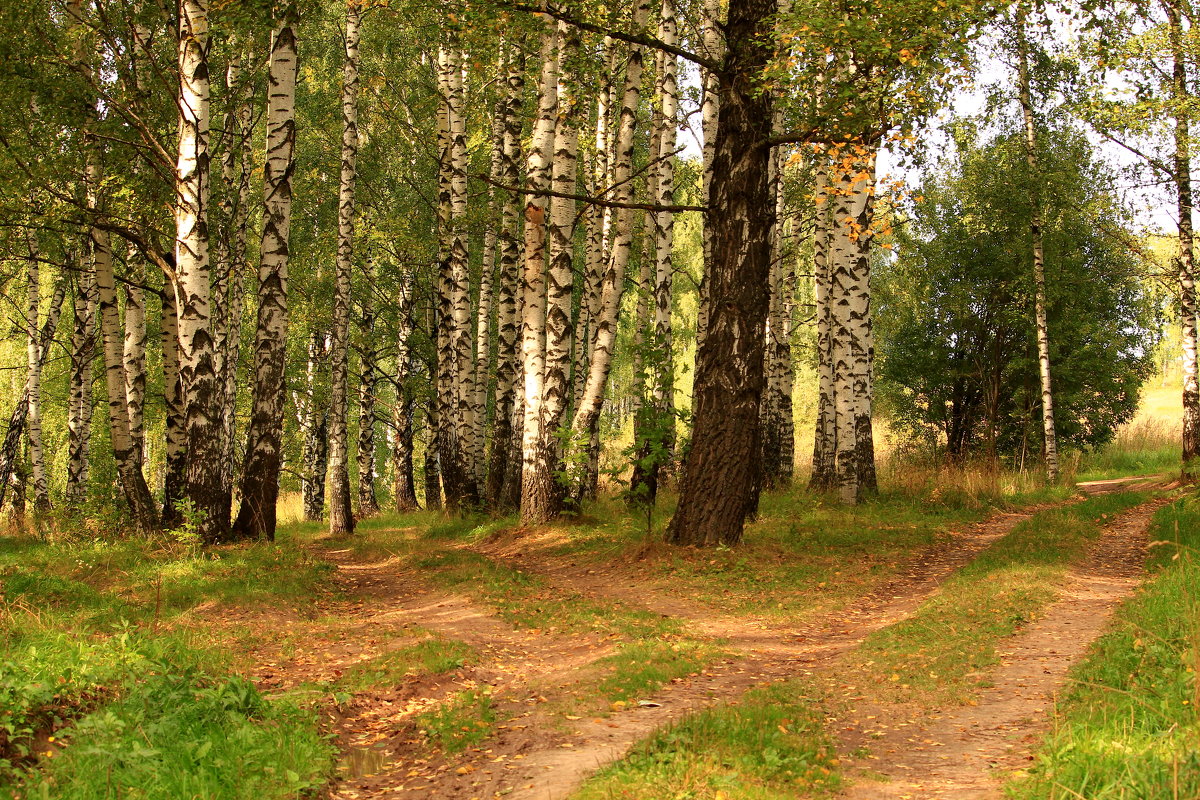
x,y
631,38
584,198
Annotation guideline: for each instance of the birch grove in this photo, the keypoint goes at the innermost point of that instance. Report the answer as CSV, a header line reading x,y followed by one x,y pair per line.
x,y
513,258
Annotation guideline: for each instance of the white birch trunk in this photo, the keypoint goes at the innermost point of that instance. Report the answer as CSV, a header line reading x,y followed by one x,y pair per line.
x,y
457,422
542,498
128,462
509,378
83,351
487,275
664,235
710,108
264,435
368,387
824,459
341,515
200,386
404,492
134,358
849,271
175,451
533,325
1050,439
33,384
587,415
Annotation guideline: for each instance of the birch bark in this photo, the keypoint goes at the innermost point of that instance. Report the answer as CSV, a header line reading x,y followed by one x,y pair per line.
x,y
533,322
824,458
1050,441
134,358
508,377
231,261
200,387
315,423
488,275
542,494
587,416
456,414
664,241
850,300
404,491
264,435
341,515
710,107
83,351
23,411
33,384
368,504
174,472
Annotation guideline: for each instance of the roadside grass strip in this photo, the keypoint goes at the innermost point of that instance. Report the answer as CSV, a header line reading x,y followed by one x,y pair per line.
x,y
770,745
1129,726
944,651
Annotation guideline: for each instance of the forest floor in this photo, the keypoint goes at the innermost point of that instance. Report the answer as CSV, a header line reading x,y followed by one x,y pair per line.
x,y
911,648
546,689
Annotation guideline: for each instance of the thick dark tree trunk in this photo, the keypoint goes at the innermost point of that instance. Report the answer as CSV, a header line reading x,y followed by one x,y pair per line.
x,y
721,473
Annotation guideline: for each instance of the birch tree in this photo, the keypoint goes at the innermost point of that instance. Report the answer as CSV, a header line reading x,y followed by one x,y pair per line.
x,y
850,319
534,494
198,379
128,459
456,413
721,470
79,400
368,387
587,415
824,459
260,472
35,358
1050,440
404,492
508,301
341,515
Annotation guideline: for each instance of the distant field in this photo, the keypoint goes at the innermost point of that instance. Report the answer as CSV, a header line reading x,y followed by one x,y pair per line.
x,y
1162,399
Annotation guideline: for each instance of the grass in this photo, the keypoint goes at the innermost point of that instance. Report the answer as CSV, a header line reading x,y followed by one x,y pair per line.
x,y
98,652
942,652
464,721
1145,446
1129,726
638,669
432,656
769,746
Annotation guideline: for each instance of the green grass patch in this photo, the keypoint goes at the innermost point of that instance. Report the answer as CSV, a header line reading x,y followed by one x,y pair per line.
x,y
769,746
1129,726
463,721
942,653
1145,446
94,652
431,657
638,669
182,734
